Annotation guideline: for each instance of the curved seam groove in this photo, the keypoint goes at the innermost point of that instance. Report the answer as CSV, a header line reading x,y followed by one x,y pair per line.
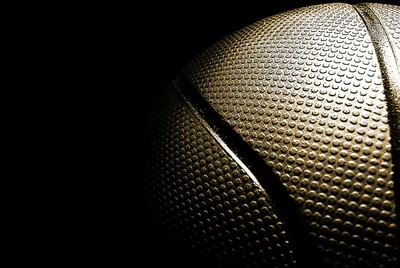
x,y
389,63
386,55
298,234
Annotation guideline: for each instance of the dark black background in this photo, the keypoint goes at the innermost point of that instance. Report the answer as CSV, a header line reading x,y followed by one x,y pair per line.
x,y
171,34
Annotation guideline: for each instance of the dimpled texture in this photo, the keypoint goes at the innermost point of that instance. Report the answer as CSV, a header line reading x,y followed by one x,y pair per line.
x,y
201,194
303,89
389,15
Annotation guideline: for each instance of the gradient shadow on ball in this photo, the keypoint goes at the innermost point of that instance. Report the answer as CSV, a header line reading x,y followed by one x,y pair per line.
x,y
278,146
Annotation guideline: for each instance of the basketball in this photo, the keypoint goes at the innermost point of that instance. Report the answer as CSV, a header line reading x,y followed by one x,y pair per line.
x,y
279,144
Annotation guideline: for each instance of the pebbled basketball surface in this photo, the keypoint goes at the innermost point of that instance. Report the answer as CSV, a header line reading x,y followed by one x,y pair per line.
x,y
278,146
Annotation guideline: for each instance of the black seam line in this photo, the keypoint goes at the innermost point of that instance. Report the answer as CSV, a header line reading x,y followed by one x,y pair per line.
x,y
298,233
214,135
389,63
